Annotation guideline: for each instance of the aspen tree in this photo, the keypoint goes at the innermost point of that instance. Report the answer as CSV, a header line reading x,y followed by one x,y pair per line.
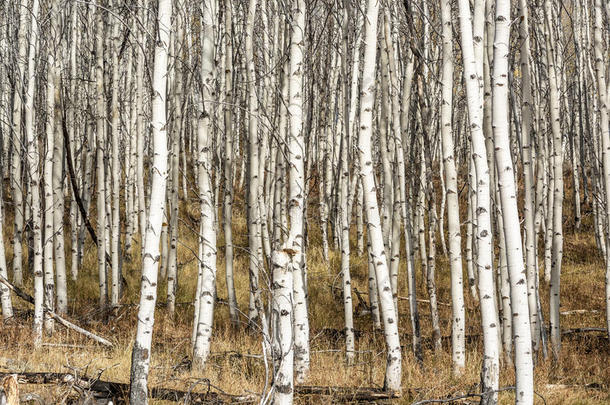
x,y
528,173
49,206
18,154
490,368
115,175
33,159
228,163
296,198
604,101
557,189
58,201
506,183
376,252
100,146
174,179
140,357
207,284
140,128
453,211
343,205
256,310
5,293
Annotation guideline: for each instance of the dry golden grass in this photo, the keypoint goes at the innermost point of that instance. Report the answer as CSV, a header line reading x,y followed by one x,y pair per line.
x,y
584,357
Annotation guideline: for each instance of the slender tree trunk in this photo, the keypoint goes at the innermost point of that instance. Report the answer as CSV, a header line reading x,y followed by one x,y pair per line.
x,y
114,214
453,212
208,213
524,369
18,146
377,253
228,165
490,370
528,174
33,159
604,100
100,146
49,206
140,357
557,190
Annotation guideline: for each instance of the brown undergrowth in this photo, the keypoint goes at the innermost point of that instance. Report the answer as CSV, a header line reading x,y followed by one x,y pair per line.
x,y
582,375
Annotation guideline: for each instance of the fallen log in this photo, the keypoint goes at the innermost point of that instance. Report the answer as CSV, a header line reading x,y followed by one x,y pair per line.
x,y
28,298
118,392
582,330
346,394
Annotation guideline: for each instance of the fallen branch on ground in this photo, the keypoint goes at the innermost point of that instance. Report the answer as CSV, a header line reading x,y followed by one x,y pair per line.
x,y
582,330
117,391
580,311
28,298
471,395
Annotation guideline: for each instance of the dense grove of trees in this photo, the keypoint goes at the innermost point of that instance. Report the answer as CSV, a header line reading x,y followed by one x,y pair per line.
x,y
411,129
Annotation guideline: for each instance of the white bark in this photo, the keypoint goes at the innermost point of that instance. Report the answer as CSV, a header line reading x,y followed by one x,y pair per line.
x,y
18,147
207,290
508,195
453,212
557,190
49,207
296,198
228,165
115,239
377,253
528,174
33,158
604,100
490,370
5,293
140,360
100,146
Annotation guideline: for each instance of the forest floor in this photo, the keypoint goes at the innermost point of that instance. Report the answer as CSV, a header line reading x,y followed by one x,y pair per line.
x,y
581,376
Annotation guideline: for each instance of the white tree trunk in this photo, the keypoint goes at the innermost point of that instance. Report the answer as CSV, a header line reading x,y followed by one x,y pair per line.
x,y
140,357
228,166
49,207
114,214
490,370
296,198
524,371
557,190
33,159
18,148
5,293
604,100
458,321
207,290
377,253
100,146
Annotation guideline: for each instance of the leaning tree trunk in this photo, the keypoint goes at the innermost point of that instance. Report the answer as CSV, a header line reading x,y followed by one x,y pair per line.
x,y
140,356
